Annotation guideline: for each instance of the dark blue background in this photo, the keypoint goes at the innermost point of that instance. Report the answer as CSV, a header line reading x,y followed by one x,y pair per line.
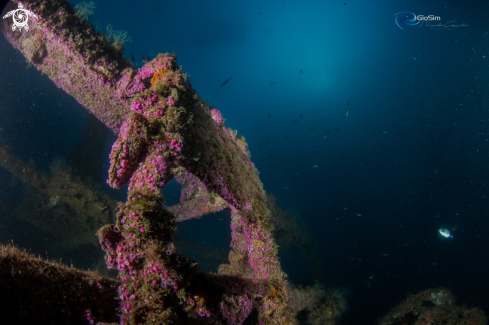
x,y
411,156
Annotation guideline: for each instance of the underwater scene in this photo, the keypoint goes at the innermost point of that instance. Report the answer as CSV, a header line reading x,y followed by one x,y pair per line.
x,y
260,162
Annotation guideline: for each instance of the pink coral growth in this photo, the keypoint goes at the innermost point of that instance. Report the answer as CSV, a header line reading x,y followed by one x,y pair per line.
x,y
148,105
247,206
216,116
239,310
171,101
126,152
150,177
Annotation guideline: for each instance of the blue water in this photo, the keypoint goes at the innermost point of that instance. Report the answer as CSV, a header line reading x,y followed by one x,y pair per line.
x,y
410,156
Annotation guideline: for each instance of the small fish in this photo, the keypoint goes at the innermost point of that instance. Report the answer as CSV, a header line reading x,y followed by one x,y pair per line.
x,y
133,61
436,171
371,277
285,187
383,132
315,166
383,254
359,215
295,121
347,108
273,83
345,208
225,82
445,233
337,129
